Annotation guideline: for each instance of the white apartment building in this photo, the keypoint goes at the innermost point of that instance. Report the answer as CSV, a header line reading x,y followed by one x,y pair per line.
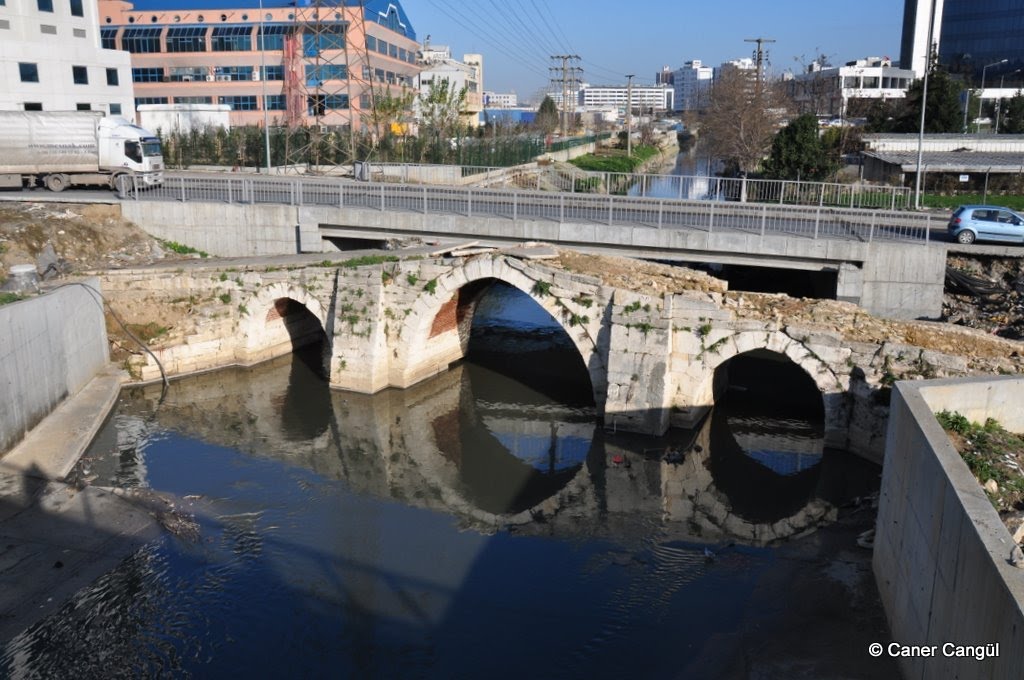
x,y
827,91
436,63
691,84
501,100
744,64
657,98
51,60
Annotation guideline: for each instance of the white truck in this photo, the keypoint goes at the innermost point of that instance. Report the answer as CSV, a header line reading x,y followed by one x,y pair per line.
x,y
65,148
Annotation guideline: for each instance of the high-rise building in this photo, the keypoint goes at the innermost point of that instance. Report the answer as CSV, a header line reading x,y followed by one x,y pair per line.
x,y
970,35
692,82
51,60
301,62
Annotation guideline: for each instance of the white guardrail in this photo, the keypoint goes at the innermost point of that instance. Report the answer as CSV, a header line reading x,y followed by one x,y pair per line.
x,y
816,222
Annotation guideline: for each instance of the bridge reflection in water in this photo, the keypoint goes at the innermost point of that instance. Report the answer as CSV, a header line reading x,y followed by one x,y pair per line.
x,y
471,526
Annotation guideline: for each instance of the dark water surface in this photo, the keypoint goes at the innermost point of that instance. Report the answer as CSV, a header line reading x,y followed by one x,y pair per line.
x,y
482,524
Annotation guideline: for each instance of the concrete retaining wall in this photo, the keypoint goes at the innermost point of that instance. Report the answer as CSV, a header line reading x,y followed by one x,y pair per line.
x,y
942,553
50,347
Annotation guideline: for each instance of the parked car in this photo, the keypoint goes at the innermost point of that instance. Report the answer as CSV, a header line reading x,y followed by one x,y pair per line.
x,y
971,223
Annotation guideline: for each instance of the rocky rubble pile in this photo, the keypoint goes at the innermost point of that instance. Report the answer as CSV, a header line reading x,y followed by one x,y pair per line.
x,y
996,305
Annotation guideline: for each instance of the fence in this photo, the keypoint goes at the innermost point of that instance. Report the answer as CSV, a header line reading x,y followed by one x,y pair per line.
x,y
656,213
681,187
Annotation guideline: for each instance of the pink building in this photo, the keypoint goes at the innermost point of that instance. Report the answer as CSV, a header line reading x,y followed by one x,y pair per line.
x,y
302,63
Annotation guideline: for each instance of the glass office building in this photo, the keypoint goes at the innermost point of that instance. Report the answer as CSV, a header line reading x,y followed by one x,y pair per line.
x,y
977,33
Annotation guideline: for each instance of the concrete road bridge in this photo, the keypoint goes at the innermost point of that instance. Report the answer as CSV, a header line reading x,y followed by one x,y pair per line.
x,y
882,260
654,360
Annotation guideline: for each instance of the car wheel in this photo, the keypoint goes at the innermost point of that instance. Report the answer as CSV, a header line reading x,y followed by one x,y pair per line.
x,y
966,236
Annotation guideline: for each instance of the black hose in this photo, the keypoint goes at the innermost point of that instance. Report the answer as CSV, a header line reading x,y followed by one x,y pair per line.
x,y
964,284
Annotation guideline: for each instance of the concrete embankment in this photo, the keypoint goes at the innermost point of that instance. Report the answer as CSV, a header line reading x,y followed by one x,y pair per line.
x,y
57,388
942,555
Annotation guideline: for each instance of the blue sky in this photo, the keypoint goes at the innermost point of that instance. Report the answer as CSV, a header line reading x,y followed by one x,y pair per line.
x,y
618,37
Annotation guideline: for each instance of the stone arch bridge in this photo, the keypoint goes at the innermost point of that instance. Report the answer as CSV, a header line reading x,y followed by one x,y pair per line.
x,y
653,360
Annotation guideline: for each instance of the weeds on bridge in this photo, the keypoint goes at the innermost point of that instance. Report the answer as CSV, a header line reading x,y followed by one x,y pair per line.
x,y
182,249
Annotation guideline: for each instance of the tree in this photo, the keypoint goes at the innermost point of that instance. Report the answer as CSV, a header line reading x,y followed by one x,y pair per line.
x,y
547,116
389,113
440,109
1012,119
742,117
943,113
797,152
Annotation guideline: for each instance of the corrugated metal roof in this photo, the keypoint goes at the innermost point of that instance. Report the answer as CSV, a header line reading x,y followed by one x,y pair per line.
x,y
953,161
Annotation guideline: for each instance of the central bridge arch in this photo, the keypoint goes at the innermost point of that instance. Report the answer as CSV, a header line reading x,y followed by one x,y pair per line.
x,y
436,332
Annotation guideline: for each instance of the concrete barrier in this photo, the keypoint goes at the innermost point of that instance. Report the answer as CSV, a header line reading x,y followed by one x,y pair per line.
x,y
941,554
50,347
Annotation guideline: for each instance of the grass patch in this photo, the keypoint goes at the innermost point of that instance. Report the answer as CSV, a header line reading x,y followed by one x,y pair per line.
x,y
991,453
7,298
615,160
182,249
1012,201
368,260
147,331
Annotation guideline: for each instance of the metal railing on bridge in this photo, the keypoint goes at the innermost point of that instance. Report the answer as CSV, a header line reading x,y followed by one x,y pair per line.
x,y
718,216
683,187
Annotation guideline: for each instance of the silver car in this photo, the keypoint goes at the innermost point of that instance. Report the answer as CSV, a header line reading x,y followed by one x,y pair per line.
x,y
971,223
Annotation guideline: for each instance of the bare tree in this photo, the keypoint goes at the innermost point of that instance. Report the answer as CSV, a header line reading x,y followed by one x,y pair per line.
x,y
742,117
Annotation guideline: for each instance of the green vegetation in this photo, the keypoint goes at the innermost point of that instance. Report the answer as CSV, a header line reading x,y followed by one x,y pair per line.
x,y
431,286
225,298
798,153
368,260
542,288
615,161
1012,201
992,454
412,279
631,307
147,331
7,298
182,249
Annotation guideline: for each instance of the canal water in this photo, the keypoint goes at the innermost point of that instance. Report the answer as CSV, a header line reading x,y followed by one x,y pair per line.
x,y
482,524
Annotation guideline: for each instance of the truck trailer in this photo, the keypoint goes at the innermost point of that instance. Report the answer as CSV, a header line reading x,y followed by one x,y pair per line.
x,y
68,148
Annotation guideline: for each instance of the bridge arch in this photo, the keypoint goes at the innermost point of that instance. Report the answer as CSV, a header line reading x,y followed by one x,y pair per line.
x,y
436,331
831,385
277,320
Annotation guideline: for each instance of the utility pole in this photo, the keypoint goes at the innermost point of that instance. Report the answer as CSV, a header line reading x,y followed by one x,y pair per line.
x,y
629,115
566,77
759,58
924,107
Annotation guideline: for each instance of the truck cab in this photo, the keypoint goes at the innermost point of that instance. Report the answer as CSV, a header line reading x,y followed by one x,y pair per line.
x,y
125,146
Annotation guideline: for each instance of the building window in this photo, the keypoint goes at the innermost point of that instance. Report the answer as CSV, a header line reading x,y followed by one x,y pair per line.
x,y
318,74
273,72
393,51
112,78
108,38
332,37
115,109
78,32
147,75
274,102
318,104
80,75
29,72
231,39
83,107
186,39
45,5
382,47
141,40
76,8
46,29
233,73
239,103
188,74
141,101
271,37
33,106
371,43
193,100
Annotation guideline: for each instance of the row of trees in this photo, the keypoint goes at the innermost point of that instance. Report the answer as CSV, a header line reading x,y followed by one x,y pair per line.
x,y
742,125
443,137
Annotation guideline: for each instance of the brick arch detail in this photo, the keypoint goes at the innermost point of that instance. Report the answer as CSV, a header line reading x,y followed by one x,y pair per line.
x,y
259,306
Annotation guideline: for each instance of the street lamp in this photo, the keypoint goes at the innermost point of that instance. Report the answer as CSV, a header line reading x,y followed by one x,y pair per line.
x,y
924,102
981,95
263,82
629,116
999,102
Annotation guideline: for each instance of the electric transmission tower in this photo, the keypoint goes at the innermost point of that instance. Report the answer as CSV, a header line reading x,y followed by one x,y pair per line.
x,y
760,57
567,78
325,76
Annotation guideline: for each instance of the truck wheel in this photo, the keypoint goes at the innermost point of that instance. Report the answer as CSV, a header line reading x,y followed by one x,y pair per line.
x,y
115,179
56,183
